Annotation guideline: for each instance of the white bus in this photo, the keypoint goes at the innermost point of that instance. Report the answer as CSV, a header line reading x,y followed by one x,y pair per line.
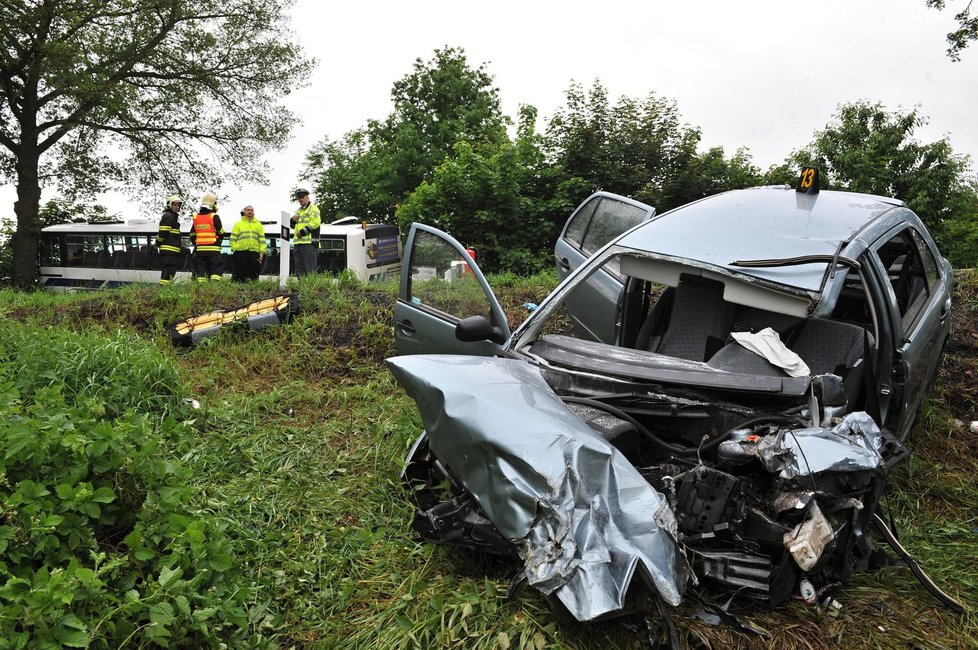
x,y
77,256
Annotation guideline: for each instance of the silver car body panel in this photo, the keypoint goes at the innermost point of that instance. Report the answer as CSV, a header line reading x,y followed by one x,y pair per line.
x,y
853,445
512,439
585,521
569,255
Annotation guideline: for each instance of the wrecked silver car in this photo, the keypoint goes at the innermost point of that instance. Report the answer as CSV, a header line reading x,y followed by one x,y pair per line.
x,y
771,350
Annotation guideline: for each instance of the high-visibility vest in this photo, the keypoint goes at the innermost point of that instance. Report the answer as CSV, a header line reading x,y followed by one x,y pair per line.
x,y
205,232
308,220
248,235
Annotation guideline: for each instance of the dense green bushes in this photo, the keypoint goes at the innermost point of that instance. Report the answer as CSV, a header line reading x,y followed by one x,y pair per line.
x,y
98,542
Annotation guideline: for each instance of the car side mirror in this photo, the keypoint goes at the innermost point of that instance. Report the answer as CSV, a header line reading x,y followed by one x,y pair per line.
x,y
478,328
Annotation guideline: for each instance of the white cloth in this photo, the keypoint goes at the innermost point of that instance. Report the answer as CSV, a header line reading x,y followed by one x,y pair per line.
x,y
769,345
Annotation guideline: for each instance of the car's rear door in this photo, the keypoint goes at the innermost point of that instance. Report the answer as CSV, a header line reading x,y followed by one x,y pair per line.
x,y
601,218
920,301
440,285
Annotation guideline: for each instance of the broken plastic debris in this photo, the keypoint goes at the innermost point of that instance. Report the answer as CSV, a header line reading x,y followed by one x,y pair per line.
x,y
256,316
807,591
807,540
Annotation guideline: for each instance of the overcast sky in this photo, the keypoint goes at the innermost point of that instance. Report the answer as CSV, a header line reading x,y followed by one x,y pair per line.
x,y
764,74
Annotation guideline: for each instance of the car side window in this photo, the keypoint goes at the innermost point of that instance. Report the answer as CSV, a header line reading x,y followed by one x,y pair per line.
x,y
910,278
926,258
611,219
442,280
578,225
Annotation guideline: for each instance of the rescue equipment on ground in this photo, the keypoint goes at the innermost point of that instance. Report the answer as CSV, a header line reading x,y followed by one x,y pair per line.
x,y
256,316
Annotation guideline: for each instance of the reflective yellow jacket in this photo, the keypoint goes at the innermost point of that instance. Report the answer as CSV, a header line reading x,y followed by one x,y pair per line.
x,y
308,221
248,235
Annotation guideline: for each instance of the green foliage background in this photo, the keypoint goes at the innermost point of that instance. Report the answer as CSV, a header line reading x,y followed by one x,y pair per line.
x,y
506,189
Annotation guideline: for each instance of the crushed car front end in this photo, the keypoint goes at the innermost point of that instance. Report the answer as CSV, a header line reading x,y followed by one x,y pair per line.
x,y
577,487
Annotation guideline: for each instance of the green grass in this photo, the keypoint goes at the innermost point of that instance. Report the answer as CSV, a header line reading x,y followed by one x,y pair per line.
x,y
298,445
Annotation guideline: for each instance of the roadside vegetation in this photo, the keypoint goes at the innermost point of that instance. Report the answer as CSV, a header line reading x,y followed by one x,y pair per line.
x,y
247,491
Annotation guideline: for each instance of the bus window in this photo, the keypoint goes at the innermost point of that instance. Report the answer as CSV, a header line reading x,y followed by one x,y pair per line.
x,y
85,250
50,252
122,250
332,254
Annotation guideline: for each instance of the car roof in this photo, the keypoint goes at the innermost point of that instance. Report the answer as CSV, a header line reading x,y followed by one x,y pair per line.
x,y
762,223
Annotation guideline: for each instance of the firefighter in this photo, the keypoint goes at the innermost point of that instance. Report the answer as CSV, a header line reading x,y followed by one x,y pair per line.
x,y
206,237
247,246
305,222
168,239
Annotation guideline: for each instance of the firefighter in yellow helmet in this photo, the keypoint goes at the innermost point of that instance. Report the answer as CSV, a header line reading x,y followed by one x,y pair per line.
x,y
168,239
305,221
206,236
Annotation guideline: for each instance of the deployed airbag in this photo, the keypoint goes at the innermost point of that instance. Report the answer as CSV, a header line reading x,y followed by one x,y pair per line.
x,y
768,344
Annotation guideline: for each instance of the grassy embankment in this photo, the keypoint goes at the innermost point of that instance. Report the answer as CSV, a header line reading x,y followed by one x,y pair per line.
x,y
300,436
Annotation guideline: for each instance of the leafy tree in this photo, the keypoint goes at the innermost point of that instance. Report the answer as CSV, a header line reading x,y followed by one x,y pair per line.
x,y
442,102
869,149
491,196
966,32
58,211
147,91
960,240
710,173
640,148
345,177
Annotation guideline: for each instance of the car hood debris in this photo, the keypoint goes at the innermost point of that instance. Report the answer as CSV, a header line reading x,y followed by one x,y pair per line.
x,y
584,520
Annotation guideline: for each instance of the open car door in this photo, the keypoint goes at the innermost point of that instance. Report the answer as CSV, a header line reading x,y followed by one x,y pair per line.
x,y
444,296
600,219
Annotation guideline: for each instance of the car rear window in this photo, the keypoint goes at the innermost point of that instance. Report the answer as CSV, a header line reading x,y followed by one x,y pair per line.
x,y
611,219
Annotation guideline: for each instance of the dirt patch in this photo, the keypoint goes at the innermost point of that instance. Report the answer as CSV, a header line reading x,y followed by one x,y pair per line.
x,y
957,376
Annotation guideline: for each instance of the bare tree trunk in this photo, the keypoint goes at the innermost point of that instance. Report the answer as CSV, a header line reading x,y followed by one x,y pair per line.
x,y
28,233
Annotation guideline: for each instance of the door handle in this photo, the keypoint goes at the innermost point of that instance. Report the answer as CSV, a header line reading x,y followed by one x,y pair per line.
x,y
564,263
406,327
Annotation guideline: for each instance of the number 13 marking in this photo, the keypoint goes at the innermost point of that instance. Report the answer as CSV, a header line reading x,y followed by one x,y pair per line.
x,y
807,177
